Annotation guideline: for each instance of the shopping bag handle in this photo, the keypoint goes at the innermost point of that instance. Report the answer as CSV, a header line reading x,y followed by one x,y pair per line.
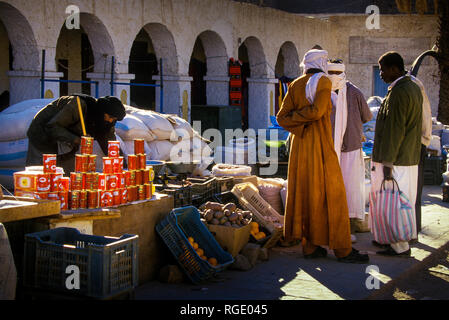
x,y
394,181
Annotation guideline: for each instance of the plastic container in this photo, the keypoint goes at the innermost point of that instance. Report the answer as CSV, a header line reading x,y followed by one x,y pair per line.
x,y
107,265
182,195
175,229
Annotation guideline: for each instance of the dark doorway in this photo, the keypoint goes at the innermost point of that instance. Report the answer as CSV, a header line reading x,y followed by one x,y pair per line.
x,y
197,70
143,64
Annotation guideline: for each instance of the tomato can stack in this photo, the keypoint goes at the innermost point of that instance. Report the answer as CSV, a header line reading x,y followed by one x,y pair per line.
x,y
44,183
85,188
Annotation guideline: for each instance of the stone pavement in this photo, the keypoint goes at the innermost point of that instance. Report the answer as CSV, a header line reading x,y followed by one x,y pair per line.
x,y
288,276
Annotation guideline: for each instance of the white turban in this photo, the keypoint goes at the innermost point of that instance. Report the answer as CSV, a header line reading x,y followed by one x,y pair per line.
x,y
338,80
316,59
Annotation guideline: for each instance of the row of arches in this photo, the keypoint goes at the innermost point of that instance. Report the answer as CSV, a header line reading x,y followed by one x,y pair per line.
x,y
86,54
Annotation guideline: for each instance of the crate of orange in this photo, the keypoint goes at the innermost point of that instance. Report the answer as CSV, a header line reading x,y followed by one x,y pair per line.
x,y
191,243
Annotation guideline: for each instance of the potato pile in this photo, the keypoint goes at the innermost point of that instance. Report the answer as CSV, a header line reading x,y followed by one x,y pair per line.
x,y
225,214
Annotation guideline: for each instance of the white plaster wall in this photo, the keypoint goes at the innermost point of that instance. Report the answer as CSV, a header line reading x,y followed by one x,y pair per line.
x,y
174,25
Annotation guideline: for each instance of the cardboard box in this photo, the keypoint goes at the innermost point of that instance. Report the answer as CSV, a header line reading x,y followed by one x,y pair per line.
x,y
230,239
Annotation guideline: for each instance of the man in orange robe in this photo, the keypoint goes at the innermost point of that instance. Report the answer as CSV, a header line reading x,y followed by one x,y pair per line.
x,y
316,209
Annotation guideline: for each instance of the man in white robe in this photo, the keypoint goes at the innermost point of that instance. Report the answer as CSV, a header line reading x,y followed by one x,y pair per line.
x,y
350,111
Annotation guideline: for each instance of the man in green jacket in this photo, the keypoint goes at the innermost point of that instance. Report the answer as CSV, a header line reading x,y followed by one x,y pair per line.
x,y
397,140
57,129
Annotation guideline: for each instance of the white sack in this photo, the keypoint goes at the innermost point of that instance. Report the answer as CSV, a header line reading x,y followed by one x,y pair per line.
x,y
159,150
157,123
131,127
13,153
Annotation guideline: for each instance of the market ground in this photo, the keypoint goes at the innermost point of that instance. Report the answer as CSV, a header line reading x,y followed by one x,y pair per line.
x,y
288,276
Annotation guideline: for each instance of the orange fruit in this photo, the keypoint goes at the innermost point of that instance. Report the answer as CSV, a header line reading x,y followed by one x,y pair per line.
x,y
213,261
191,240
203,257
200,252
195,245
254,225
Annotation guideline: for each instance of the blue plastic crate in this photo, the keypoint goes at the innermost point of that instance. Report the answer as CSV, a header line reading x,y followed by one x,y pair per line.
x,y
174,230
107,265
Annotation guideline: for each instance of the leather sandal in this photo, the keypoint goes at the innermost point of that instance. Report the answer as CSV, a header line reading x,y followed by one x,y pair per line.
x,y
355,257
318,253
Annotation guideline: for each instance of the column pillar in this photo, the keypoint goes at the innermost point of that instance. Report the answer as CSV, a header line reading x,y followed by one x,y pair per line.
x,y
25,85
217,90
174,87
260,100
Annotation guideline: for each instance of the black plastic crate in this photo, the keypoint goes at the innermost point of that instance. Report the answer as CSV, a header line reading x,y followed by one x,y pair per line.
x,y
107,265
182,195
434,167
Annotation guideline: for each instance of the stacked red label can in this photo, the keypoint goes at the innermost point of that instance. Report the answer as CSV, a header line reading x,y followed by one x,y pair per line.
x,y
84,182
43,183
86,188
139,177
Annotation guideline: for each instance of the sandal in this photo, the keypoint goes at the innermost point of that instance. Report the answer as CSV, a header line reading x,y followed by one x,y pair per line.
x,y
318,253
355,257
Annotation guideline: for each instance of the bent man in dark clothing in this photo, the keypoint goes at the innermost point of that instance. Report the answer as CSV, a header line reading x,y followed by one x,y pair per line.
x,y
57,129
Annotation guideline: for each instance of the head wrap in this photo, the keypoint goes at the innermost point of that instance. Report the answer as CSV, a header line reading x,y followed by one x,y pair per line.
x,y
338,80
315,59
112,106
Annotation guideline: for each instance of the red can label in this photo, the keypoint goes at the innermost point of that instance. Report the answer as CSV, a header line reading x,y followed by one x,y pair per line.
x,y
145,176
113,149
120,180
106,199
53,196
141,192
132,162
117,164
148,191
132,193
127,175
139,146
139,177
108,165
55,181
49,163
112,181
81,162
41,195
124,194
102,181
93,199
64,198
43,182
117,197
87,145
74,201
132,178
64,184
141,161
92,163
77,181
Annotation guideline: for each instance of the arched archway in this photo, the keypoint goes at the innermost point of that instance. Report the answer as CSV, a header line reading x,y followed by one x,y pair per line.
x,y
287,63
287,68
254,66
153,43
209,69
85,54
20,55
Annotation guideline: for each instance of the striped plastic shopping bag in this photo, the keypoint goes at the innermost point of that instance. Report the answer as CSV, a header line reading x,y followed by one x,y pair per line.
x,y
391,216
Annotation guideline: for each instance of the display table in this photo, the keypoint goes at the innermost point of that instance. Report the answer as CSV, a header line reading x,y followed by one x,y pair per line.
x,y
141,218
18,208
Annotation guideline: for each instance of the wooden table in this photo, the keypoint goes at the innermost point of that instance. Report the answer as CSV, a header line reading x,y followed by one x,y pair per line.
x,y
18,208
